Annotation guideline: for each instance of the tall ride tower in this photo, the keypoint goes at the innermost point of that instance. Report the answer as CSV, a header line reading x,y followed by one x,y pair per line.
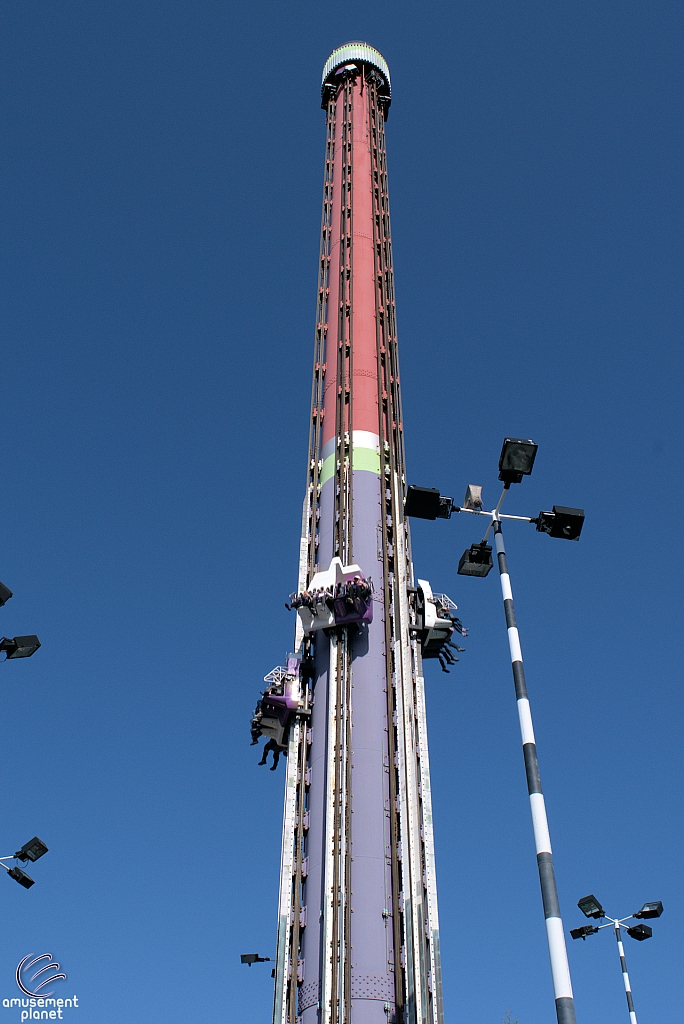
x,y
358,931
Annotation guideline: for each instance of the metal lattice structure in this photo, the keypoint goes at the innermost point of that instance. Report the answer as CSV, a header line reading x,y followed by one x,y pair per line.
x,y
358,931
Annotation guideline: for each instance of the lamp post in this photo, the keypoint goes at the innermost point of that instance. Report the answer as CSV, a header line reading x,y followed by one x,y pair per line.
x,y
591,907
516,460
32,850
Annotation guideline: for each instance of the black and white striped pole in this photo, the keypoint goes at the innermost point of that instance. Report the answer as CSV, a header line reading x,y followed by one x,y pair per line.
x,y
560,971
625,975
591,907
516,460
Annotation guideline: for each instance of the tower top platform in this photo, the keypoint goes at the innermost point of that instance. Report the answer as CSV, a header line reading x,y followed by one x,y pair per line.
x,y
356,52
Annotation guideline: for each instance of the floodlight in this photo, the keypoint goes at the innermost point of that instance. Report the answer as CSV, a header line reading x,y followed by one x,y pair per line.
x,y
473,498
426,503
590,906
5,594
22,878
516,459
476,560
650,910
581,933
640,932
32,850
20,646
253,958
563,522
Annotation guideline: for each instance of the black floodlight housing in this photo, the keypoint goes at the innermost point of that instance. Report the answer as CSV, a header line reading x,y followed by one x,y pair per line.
x,y
427,503
650,910
32,850
563,522
581,933
516,460
5,594
640,932
590,906
20,646
476,560
21,877
253,958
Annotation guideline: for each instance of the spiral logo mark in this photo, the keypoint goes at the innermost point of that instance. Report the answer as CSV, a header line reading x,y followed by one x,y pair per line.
x,y
38,990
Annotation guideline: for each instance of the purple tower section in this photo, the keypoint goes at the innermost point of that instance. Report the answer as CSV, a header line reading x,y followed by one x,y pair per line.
x,y
371,970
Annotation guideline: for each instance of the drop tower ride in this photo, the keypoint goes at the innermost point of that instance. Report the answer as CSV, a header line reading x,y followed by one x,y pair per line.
x,y
358,930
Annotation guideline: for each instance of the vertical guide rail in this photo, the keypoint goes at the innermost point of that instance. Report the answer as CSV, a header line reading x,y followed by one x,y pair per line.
x,y
418,978
338,733
560,971
410,822
335,992
296,918
344,986
337,944
387,521
337,726
346,516
322,313
625,975
291,880
293,838
433,957
328,995
287,866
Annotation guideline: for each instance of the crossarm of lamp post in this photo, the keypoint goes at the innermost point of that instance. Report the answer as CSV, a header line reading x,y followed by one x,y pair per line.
x,y
612,921
496,514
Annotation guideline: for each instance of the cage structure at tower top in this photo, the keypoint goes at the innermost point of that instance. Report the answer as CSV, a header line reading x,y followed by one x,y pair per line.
x,y
353,53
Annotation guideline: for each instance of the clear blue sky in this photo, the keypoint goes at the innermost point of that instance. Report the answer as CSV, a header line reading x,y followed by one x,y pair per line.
x,y
161,171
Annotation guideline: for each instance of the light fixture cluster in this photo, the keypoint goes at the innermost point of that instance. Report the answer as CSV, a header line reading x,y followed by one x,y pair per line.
x,y
33,850
515,461
20,647
17,646
591,907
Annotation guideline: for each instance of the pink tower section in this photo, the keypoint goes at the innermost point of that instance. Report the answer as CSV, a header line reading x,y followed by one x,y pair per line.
x,y
360,316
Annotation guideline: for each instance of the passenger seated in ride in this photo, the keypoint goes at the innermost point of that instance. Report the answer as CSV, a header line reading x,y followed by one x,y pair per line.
x,y
256,730
350,593
343,601
256,722
357,590
316,600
